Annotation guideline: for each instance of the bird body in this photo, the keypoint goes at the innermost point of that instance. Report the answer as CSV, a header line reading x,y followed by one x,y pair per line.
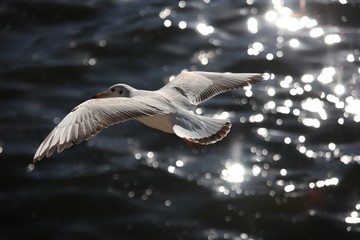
x,y
161,122
165,109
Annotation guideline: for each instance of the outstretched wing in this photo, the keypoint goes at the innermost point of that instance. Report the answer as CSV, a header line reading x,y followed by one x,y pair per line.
x,y
200,86
89,118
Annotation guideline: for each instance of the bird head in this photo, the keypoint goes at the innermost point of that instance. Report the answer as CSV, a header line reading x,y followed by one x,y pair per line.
x,y
118,90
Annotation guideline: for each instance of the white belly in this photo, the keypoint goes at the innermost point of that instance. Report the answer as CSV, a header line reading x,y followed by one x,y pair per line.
x,y
162,122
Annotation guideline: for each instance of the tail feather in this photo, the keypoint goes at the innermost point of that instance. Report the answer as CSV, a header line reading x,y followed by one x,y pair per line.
x,y
200,129
193,145
219,135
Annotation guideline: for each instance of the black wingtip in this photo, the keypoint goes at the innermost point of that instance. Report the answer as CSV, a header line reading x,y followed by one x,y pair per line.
x,y
37,158
257,78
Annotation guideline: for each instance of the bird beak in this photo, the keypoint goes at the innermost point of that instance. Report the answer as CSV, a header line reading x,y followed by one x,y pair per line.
x,y
100,95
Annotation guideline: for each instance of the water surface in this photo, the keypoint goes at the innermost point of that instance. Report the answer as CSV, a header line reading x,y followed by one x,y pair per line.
x,y
289,169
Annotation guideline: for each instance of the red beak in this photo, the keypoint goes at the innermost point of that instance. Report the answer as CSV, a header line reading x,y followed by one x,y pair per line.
x,y
100,95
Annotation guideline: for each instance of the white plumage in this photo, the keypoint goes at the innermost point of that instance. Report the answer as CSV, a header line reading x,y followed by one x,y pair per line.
x,y
165,109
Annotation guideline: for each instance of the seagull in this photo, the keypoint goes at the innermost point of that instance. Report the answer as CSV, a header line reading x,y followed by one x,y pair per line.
x,y
166,109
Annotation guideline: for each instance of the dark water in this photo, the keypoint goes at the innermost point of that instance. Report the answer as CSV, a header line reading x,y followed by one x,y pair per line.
x,y
289,169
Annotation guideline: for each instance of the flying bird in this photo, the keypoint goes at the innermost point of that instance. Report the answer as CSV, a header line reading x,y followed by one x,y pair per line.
x,y
166,109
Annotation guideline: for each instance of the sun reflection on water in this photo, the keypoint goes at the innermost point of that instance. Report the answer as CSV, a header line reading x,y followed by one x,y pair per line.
x,y
332,39
233,173
252,25
295,106
204,29
315,105
354,218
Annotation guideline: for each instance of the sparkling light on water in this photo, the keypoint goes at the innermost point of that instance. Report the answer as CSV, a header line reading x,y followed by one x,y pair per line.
x,y
332,39
269,56
167,23
182,4
339,89
91,62
252,25
354,218
150,154
353,107
233,173
271,16
255,48
324,183
311,122
262,132
287,140
284,18
204,29
182,24
256,170
256,118
343,1
30,167
285,83
307,78
315,105
102,43
350,58
171,169
326,75
301,138
137,156
179,163
289,188
316,32
294,43
271,91
165,13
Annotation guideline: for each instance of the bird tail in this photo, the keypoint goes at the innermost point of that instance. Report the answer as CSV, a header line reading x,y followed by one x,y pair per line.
x,y
201,130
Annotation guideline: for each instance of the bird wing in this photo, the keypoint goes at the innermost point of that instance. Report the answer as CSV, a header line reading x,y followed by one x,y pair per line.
x,y
200,86
89,118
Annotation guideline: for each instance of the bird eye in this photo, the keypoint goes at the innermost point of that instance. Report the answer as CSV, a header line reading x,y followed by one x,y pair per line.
x,y
120,91
113,89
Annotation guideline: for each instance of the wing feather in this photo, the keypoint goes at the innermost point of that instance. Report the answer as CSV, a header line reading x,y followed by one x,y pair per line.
x,y
89,118
200,86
